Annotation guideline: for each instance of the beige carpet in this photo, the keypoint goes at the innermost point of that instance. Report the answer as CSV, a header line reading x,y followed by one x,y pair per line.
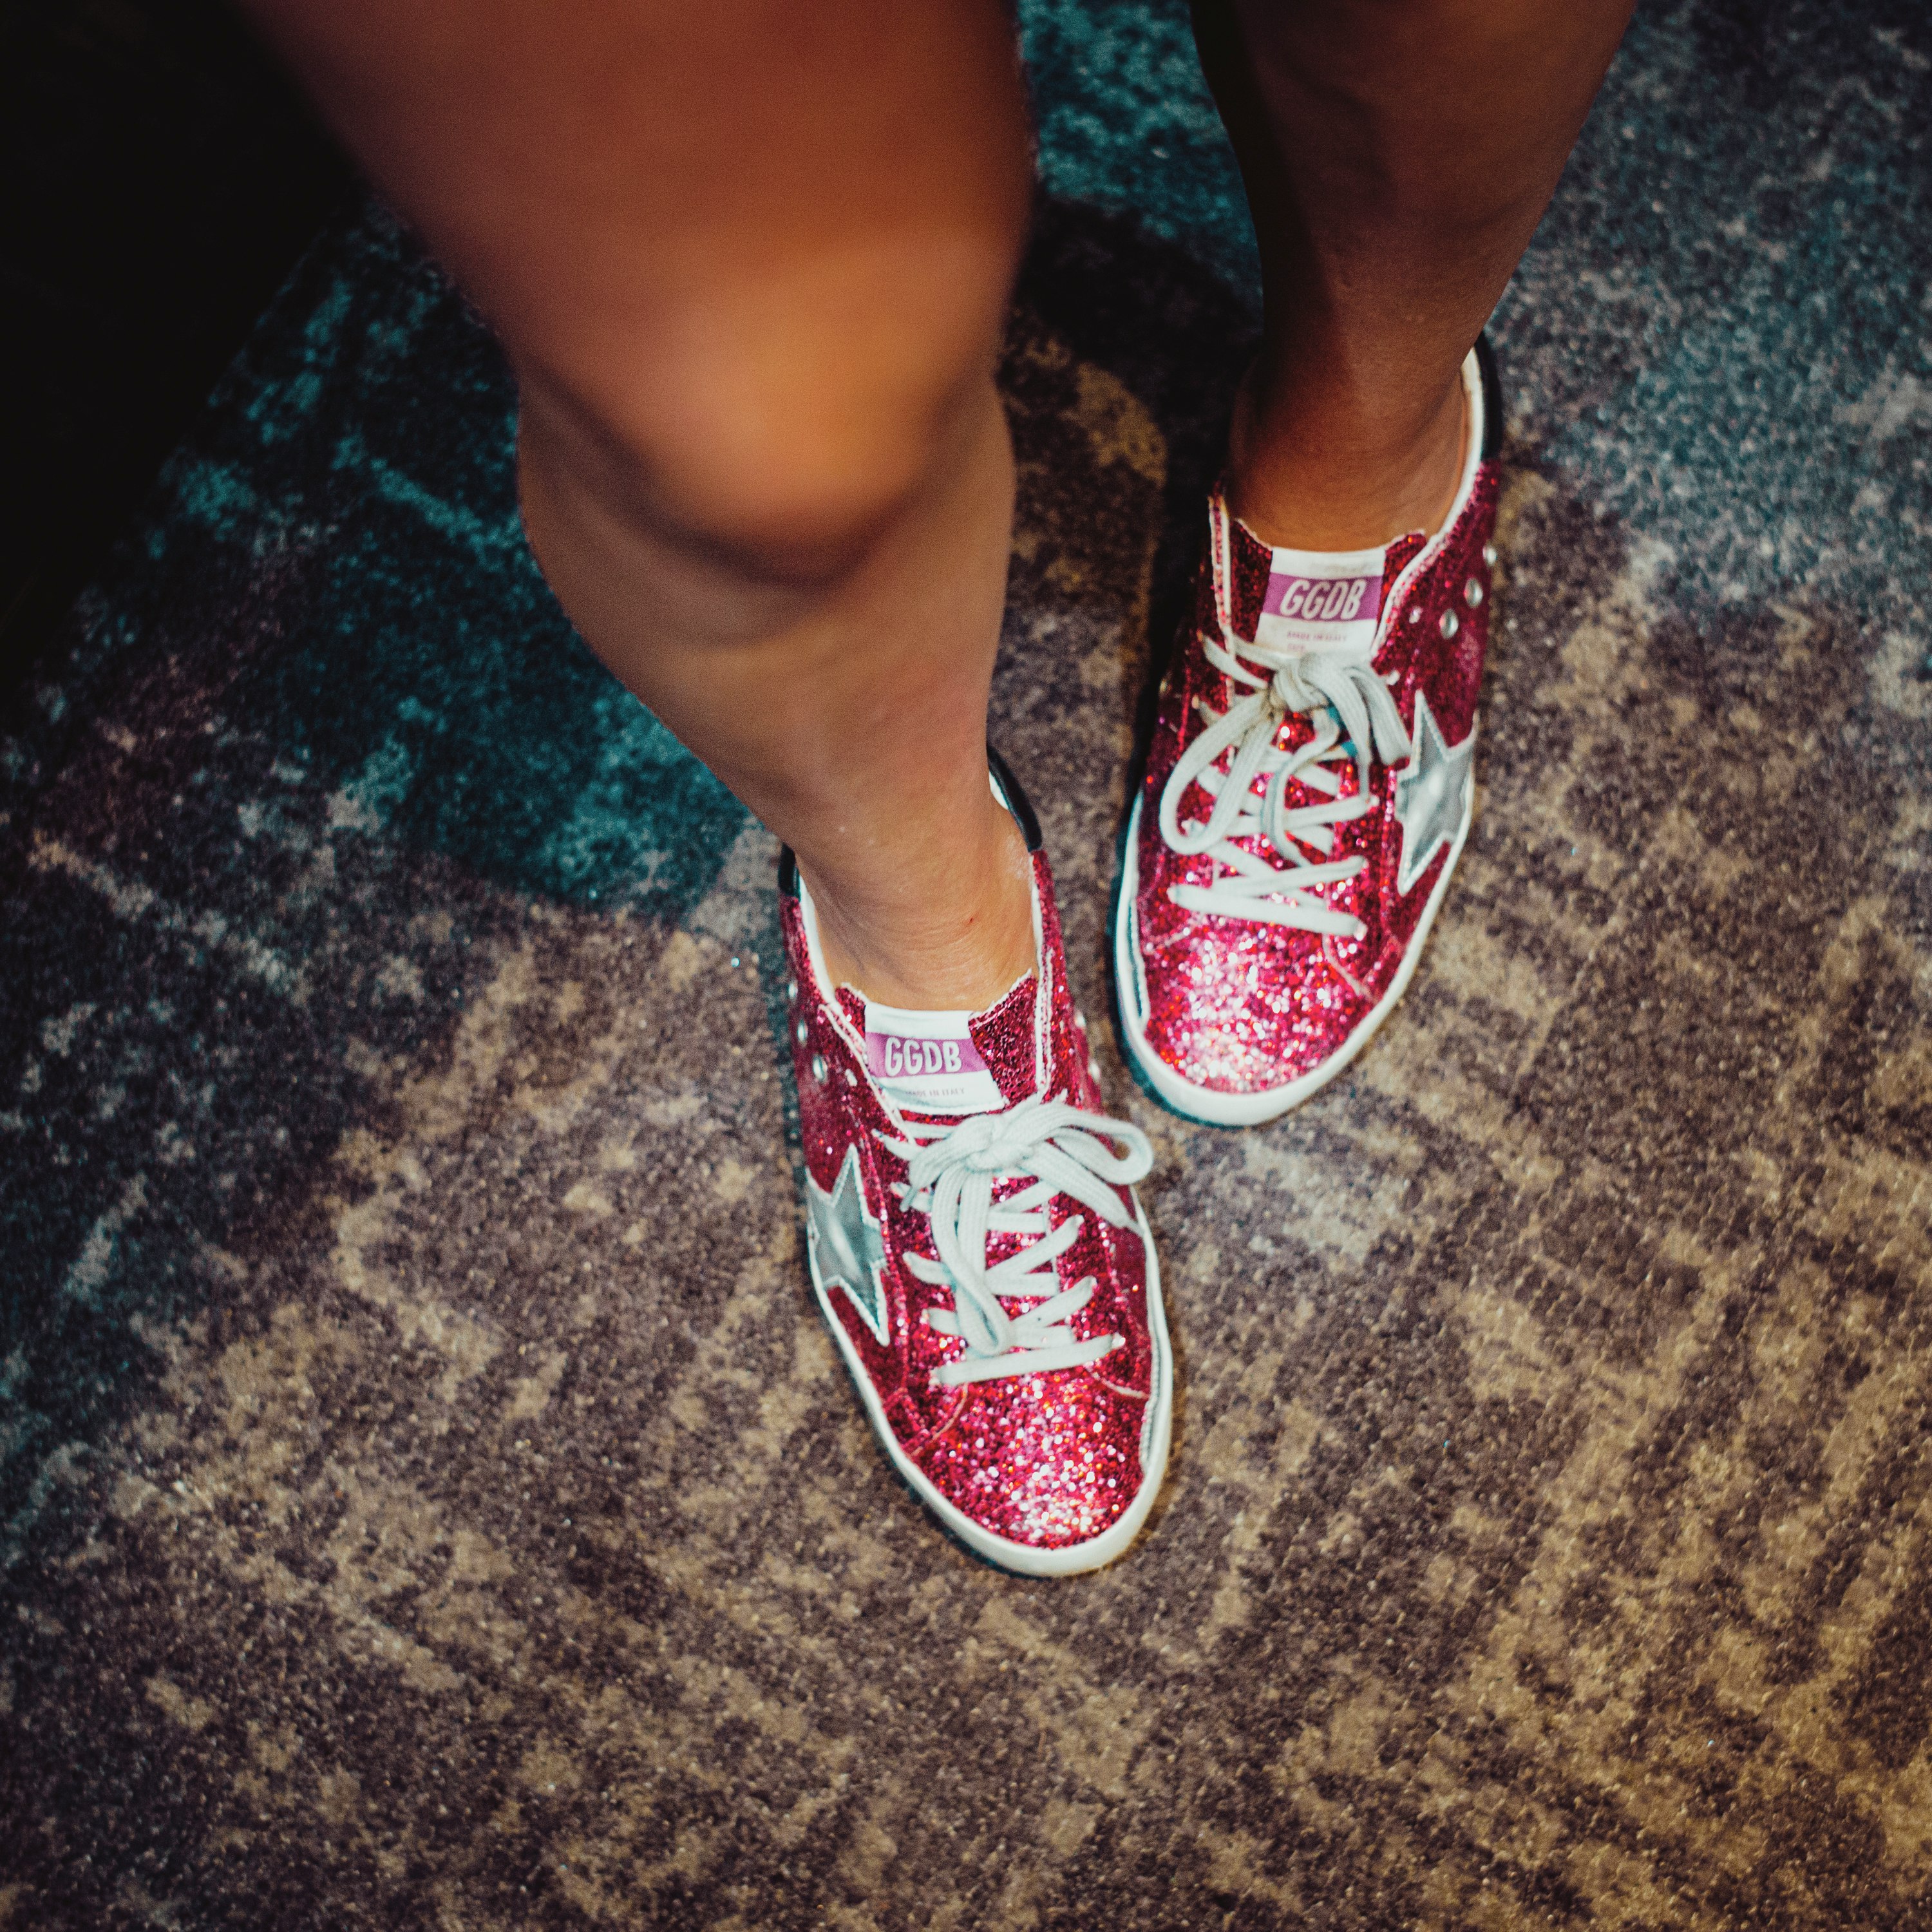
x,y
433,1500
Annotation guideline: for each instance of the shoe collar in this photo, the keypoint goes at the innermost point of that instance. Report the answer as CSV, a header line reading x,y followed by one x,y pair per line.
x,y
1227,534
852,1032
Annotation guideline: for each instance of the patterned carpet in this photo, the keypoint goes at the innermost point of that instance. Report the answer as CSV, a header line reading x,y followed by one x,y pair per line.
x,y
429,1497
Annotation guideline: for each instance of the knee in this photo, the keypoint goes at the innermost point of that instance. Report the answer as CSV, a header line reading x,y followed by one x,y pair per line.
x,y
779,421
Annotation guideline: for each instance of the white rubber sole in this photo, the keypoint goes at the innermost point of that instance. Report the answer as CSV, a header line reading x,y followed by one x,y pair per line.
x,y
1206,1104
1025,1559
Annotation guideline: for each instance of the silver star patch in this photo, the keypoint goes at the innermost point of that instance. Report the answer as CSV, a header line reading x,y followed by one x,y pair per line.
x,y
1431,793
846,1246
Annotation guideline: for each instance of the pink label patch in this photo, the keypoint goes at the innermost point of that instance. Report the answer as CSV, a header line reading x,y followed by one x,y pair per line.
x,y
1324,600
891,1056
927,1061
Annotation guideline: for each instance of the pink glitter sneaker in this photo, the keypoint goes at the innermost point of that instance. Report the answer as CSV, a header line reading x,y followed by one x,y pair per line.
x,y
977,1249
1308,789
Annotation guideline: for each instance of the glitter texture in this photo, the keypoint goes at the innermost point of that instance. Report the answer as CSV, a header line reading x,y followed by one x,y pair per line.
x,y
1047,1460
1241,1007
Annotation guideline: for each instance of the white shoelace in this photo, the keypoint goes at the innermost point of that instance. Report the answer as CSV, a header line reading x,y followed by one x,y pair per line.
x,y
951,1172
1359,716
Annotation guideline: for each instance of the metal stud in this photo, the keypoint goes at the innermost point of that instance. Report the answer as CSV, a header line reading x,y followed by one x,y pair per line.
x,y
851,1079
1488,553
1450,624
803,1032
818,1066
1415,613
791,990
1472,592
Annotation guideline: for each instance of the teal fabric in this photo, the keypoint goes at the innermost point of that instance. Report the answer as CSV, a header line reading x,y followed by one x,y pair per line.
x,y
1127,123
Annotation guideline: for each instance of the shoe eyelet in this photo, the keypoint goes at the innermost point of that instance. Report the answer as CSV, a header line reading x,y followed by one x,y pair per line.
x,y
1472,592
818,1066
1488,553
802,1032
791,991
1450,625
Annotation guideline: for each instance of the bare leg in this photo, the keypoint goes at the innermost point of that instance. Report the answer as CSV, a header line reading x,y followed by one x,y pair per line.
x,y
751,263
1398,154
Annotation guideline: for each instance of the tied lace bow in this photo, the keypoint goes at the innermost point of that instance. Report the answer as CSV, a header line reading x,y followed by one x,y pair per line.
x,y
951,1172
1356,716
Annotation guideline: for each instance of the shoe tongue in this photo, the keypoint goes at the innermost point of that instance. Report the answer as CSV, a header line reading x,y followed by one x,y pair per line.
x,y
1310,599
947,1064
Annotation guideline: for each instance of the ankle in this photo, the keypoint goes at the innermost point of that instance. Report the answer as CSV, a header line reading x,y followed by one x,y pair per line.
x,y
949,948
1324,473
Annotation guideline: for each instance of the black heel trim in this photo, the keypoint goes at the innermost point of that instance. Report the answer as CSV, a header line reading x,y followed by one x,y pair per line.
x,y
1015,799
1492,398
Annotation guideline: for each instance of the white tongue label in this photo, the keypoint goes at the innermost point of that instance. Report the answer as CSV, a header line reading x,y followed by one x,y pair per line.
x,y
1319,599
928,1061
